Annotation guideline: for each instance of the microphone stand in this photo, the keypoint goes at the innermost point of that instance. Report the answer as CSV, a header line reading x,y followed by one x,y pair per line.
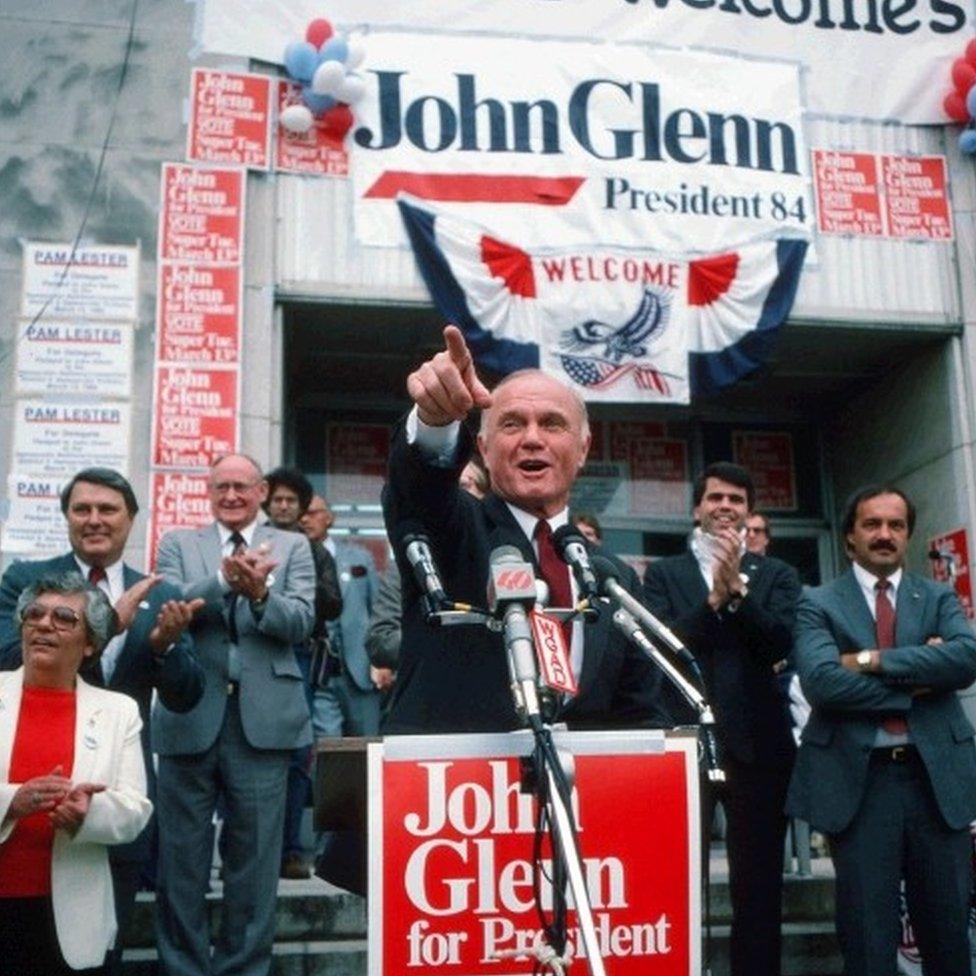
x,y
625,622
553,787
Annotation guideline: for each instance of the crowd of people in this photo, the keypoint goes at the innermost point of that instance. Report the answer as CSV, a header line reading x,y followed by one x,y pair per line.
x,y
136,710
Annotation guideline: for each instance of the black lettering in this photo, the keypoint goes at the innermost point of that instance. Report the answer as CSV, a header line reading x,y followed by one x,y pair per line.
x,y
446,121
956,14
800,17
468,107
717,136
521,124
764,146
389,99
675,134
892,10
579,123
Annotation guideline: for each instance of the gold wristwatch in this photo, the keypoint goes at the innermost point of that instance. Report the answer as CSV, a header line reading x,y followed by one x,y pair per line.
x,y
863,660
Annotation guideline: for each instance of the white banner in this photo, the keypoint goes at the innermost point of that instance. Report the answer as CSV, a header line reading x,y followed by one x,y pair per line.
x,y
868,60
34,526
610,144
57,438
99,282
74,357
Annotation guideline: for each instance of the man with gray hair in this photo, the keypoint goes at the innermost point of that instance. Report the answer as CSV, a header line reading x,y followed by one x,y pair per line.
x,y
257,584
149,652
534,439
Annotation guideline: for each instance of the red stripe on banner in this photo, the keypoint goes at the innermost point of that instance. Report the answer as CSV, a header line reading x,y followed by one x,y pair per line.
x,y
546,191
710,278
509,263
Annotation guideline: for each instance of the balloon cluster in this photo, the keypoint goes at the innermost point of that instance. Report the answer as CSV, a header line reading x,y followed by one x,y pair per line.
x,y
960,103
323,66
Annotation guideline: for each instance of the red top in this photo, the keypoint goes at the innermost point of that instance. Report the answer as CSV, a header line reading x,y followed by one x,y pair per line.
x,y
45,738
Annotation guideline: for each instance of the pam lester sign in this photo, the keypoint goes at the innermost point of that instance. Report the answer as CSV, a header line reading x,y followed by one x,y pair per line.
x,y
620,144
451,837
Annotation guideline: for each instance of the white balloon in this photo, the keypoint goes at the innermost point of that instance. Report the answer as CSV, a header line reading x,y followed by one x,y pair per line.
x,y
357,53
351,90
328,77
296,118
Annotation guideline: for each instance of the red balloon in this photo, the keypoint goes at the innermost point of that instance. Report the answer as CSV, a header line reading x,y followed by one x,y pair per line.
x,y
971,52
954,105
337,122
318,32
963,76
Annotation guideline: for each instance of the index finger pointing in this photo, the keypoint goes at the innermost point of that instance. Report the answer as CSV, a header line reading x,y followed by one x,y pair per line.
x,y
457,348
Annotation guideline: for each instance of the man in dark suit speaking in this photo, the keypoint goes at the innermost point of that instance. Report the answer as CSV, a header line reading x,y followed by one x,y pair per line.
x,y
734,610
886,764
534,440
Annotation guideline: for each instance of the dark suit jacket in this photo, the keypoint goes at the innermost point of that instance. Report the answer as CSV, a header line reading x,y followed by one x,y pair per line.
x,y
828,782
735,651
178,678
456,679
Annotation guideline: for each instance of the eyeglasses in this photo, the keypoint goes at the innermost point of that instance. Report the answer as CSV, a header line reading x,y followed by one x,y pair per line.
x,y
239,487
755,530
62,618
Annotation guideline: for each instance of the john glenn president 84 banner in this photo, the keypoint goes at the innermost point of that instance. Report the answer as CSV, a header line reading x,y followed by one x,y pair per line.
x,y
620,144
618,324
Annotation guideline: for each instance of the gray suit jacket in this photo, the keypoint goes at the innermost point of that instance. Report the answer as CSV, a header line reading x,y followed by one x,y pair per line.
x,y
357,580
274,713
831,769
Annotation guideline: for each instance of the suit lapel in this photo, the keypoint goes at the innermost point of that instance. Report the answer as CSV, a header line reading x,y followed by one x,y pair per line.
x,y
509,532
908,612
208,543
137,634
11,688
856,610
691,582
89,732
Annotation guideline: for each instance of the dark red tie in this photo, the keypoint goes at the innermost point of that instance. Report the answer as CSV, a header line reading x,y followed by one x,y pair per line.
x,y
884,630
238,545
554,571
96,574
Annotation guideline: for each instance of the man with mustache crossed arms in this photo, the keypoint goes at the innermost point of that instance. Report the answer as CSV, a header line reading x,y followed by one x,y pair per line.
x,y
886,765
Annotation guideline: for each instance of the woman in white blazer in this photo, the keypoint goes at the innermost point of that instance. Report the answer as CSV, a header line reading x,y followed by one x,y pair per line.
x,y
72,781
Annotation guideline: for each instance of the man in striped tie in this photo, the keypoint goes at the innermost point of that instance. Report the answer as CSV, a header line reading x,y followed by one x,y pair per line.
x,y
887,766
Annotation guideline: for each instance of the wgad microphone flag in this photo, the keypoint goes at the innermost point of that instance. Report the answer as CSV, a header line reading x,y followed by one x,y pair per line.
x,y
619,324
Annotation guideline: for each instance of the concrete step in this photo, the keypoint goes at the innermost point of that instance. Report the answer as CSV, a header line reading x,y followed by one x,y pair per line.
x,y
322,929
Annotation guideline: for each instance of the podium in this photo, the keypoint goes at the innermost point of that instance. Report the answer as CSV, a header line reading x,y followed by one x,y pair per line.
x,y
450,837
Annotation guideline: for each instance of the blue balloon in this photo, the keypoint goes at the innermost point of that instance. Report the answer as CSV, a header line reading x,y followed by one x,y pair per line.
x,y
318,105
301,60
967,141
334,49
971,102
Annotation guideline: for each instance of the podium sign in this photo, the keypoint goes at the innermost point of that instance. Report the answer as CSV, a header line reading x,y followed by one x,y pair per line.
x,y
450,853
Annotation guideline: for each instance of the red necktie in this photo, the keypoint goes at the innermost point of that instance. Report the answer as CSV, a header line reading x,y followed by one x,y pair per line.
x,y
554,571
884,629
239,544
96,574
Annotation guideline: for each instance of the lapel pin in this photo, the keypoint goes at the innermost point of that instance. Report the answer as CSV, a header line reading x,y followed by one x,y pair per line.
x,y
144,605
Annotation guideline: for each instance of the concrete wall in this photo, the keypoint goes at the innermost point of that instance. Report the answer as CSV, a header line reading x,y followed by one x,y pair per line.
x,y
62,60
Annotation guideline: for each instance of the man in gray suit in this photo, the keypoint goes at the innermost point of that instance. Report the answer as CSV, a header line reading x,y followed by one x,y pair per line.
x,y
258,585
349,703
886,765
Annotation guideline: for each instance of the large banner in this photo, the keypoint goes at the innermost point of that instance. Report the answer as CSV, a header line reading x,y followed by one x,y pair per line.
x,y
451,840
615,143
868,60
618,325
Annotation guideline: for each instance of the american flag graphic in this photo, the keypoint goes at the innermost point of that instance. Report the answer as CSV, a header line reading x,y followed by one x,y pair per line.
x,y
598,374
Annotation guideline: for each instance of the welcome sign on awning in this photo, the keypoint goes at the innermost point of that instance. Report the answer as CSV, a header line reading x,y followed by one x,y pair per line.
x,y
616,324
580,143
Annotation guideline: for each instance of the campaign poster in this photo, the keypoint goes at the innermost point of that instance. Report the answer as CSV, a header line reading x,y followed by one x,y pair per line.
x,y
451,841
55,438
916,197
622,433
199,317
950,564
201,214
848,193
74,357
230,118
659,482
34,526
355,462
319,152
195,416
768,457
96,282
180,500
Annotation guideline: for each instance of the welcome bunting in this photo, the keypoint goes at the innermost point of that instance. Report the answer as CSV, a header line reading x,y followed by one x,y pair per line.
x,y
621,325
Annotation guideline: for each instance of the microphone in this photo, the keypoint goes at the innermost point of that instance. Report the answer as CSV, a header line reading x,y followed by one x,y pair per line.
x,y
416,548
609,577
511,595
572,550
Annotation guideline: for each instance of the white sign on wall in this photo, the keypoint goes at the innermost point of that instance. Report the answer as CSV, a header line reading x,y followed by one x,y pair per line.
x,y
56,438
34,525
99,282
867,60
74,357
612,144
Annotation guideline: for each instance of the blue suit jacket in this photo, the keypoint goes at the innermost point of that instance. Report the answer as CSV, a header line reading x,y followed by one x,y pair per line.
x,y
831,769
178,678
359,584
